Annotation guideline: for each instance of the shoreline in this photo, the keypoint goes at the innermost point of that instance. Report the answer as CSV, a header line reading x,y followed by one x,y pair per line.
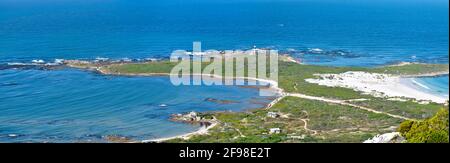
x,y
435,74
200,131
417,84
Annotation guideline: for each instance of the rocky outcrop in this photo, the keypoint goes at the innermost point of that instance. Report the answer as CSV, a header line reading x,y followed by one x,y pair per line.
x,y
393,137
192,118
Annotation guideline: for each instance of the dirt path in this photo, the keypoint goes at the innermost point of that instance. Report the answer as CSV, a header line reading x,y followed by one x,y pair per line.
x,y
306,126
240,133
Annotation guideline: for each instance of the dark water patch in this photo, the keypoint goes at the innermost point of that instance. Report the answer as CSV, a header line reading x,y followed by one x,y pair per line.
x,y
254,86
218,101
153,116
30,67
60,122
92,136
117,139
19,95
7,84
23,67
324,53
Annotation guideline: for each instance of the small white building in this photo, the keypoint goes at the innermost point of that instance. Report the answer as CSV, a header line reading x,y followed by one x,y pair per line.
x,y
274,131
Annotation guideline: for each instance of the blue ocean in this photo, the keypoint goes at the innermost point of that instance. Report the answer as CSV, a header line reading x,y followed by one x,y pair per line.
x,y
68,105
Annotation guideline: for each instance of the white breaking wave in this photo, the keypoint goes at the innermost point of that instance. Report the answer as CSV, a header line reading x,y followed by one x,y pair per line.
x,y
38,61
17,64
316,50
420,84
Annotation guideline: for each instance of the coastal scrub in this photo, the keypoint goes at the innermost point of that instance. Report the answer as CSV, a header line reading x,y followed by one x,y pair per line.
x,y
431,130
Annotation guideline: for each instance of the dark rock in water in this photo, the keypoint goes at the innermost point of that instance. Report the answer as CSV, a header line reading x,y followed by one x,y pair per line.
x,y
8,84
30,66
220,101
148,104
96,136
330,53
51,67
63,121
341,53
16,66
117,139
152,116
255,86
3,67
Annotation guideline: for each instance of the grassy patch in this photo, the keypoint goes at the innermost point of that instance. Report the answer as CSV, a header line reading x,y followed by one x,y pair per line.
x,y
411,69
141,68
333,123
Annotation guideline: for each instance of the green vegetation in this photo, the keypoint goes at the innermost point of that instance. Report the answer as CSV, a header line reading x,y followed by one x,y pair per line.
x,y
412,69
325,123
432,130
292,79
141,68
408,108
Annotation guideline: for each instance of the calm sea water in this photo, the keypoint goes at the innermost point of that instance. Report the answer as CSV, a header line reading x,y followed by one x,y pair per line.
x,y
69,105
369,33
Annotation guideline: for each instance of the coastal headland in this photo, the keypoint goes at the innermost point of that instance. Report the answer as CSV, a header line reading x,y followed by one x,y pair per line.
x,y
314,104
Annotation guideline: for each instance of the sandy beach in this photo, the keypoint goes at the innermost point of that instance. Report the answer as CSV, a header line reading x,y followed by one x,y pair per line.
x,y
201,131
379,85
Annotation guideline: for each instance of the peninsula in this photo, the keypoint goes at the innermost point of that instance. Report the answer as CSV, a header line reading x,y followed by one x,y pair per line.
x,y
315,103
